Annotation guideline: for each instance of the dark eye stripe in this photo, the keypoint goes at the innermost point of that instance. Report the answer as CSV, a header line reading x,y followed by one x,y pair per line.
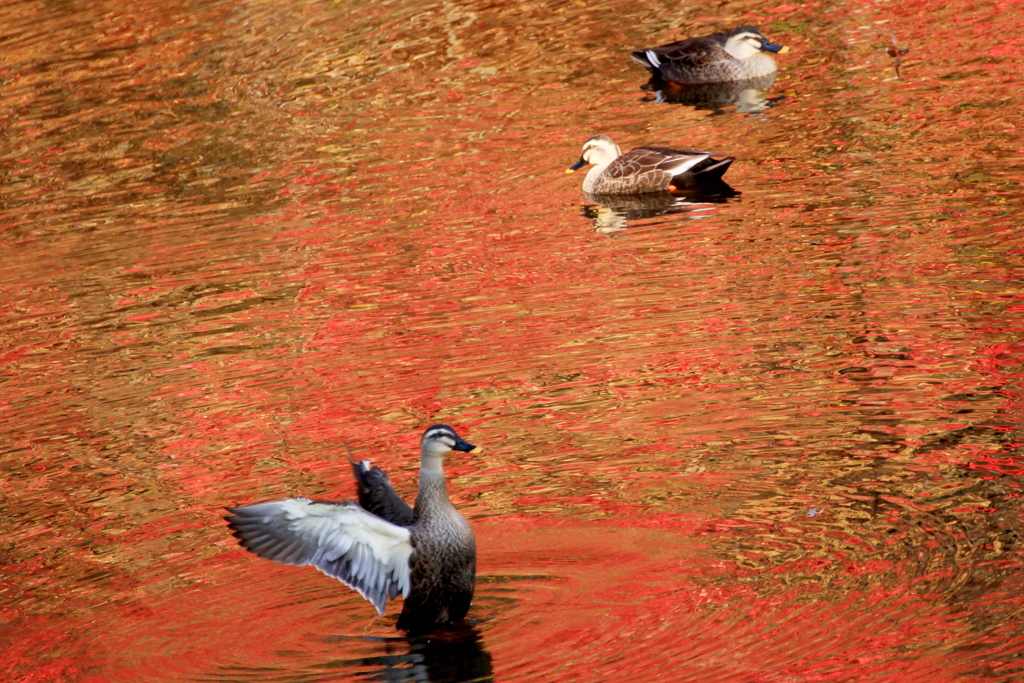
x,y
440,433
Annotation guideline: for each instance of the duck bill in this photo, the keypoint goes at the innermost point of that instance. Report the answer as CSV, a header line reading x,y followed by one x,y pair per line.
x,y
769,46
578,165
461,445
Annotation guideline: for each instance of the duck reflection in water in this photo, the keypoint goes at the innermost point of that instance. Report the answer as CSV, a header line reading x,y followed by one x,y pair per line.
x,y
452,655
612,213
747,96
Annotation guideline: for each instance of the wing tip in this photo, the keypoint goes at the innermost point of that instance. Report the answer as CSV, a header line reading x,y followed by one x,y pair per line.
x,y
640,57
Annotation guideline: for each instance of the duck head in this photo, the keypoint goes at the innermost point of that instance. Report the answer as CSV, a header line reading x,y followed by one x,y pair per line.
x,y
599,150
438,441
441,439
746,41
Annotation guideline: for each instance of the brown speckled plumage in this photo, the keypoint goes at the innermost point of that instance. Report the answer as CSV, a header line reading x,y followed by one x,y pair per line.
x,y
443,561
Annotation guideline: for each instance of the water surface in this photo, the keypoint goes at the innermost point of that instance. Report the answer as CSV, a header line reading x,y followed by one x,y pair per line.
x,y
767,437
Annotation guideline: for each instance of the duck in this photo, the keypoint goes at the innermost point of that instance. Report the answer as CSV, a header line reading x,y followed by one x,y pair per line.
x,y
645,169
379,546
740,54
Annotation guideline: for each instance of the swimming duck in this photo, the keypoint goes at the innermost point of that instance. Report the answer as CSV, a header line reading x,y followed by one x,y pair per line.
x,y
380,547
645,169
740,54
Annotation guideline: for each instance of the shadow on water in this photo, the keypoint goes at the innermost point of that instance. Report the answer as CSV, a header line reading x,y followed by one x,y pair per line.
x,y
612,213
453,655
748,96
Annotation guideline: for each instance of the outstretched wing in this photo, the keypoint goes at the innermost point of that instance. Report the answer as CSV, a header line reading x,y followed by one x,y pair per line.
x,y
340,539
376,494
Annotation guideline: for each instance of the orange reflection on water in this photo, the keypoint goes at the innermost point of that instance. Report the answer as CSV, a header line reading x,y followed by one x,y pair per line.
x,y
770,437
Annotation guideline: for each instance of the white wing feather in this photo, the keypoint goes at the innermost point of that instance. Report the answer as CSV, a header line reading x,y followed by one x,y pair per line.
x,y
684,164
342,540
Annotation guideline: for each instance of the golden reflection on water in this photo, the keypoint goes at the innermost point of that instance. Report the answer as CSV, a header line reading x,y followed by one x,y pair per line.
x,y
770,436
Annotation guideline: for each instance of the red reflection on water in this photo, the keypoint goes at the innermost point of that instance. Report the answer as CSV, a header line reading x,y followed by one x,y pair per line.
x,y
776,443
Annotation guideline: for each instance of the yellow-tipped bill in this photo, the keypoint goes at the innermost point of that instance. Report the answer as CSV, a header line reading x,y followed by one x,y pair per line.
x,y
579,164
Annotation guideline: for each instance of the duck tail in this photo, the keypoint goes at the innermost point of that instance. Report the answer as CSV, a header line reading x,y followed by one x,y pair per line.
x,y
706,172
643,58
714,171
